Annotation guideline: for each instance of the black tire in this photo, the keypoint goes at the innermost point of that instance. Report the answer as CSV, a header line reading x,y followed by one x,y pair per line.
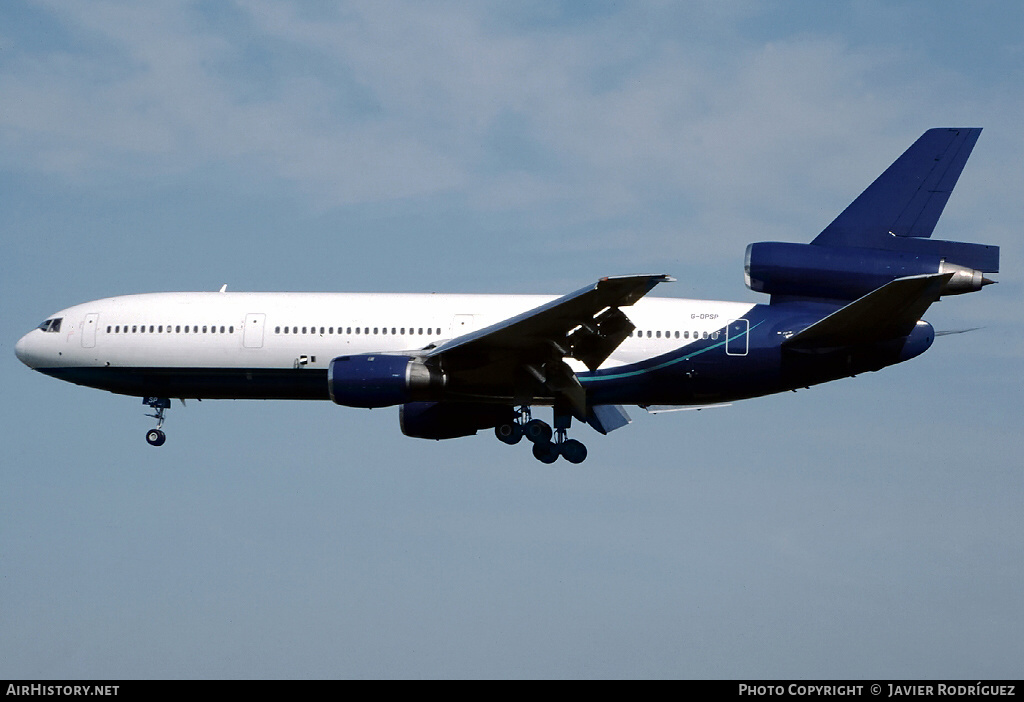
x,y
545,452
156,437
509,433
537,431
573,451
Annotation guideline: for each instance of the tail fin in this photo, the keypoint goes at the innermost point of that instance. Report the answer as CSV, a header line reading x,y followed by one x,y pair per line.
x,y
898,211
907,199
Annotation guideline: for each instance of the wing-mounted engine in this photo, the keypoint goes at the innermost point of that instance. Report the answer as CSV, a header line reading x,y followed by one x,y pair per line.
x,y
450,420
381,380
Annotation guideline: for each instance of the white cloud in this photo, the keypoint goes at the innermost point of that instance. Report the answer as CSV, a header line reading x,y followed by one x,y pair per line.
x,y
378,101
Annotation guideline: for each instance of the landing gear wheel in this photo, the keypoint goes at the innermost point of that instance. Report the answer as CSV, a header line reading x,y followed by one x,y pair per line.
x,y
573,451
537,431
545,452
156,437
509,433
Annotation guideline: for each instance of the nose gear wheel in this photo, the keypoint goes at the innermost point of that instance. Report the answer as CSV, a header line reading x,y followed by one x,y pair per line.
x,y
157,437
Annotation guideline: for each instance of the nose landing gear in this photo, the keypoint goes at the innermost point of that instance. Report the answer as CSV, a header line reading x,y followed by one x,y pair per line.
x,y
156,437
540,434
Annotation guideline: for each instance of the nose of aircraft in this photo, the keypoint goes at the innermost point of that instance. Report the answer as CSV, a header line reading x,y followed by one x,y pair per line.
x,y
23,351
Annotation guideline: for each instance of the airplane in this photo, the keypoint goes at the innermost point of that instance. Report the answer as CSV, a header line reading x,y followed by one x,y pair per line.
x,y
849,302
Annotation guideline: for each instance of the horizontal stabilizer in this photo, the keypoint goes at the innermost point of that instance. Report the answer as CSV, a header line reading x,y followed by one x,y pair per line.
x,y
908,198
889,312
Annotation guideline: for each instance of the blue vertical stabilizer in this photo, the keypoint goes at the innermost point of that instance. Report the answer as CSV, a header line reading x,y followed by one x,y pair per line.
x,y
908,198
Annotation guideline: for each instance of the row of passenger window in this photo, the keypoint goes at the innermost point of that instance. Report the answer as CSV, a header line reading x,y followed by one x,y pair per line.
x,y
678,335
54,325
395,331
169,328
430,331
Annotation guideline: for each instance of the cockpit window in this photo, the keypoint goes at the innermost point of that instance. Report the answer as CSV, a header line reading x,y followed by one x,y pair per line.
x,y
51,325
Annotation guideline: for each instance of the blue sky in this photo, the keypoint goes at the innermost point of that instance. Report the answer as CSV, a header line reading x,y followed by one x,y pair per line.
x,y
866,528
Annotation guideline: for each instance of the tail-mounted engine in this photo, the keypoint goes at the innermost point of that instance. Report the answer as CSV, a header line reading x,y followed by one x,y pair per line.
x,y
845,273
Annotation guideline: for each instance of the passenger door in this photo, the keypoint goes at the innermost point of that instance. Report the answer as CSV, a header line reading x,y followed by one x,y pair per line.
x,y
89,325
252,336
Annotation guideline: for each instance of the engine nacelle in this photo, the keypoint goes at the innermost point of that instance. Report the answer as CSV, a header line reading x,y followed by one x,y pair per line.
x,y
844,273
918,341
448,420
381,380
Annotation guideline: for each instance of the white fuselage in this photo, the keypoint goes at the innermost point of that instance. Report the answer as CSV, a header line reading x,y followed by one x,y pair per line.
x,y
307,330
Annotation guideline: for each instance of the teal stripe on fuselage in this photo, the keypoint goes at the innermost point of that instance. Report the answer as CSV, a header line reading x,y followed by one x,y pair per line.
x,y
633,373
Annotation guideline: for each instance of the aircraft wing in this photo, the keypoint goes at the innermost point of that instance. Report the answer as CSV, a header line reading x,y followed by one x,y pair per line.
x,y
529,349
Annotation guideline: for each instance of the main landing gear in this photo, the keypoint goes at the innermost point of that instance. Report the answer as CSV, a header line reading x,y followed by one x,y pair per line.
x,y
156,437
540,434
